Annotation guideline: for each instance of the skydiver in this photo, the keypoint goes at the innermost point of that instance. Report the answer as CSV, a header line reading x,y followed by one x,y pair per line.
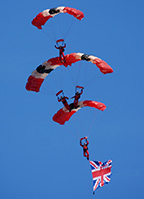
x,y
61,51
63,99
77,96
85,147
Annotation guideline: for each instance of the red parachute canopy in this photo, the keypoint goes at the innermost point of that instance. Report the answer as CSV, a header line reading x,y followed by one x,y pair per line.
x,y
42,17
37,77
64,115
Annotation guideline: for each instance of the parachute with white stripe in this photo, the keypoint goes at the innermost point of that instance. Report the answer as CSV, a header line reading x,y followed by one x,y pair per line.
x,y
37,77
44,16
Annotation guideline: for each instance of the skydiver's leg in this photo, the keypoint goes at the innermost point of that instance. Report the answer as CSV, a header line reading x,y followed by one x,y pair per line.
x,y
63,56
60,56
87,155
75,103
66,105
84,153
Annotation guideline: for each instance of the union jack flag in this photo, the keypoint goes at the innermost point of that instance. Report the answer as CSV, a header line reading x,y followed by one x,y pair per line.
x,y
101,173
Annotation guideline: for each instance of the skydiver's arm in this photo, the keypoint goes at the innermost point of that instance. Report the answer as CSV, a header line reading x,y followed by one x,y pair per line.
x,y
56,47
81,91
87,141
81,143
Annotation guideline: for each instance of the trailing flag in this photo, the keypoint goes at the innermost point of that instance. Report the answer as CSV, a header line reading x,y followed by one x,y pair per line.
x,y
101,173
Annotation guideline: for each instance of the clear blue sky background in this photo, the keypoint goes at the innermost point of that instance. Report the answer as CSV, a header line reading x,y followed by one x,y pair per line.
x,y
41,159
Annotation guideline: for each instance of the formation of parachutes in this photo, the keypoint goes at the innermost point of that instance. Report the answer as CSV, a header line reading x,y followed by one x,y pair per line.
x,y
100,171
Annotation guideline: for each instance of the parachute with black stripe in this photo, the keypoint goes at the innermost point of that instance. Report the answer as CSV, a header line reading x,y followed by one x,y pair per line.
x,y
37,77
55,23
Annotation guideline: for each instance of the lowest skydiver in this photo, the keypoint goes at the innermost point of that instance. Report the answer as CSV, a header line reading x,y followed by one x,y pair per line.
x,y
60,45
85,147
63,99
77,95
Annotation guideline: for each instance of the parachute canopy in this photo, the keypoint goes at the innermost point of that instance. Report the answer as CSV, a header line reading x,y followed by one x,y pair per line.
x,y
101,173
37,77
64,115
43,17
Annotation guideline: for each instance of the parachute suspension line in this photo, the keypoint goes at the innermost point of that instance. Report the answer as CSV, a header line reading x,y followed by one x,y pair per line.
x,y
61,79
79,79
57,84
75,133
53,85
71,76
86,70
52,28
69,29
77,75
82,74
84,77
63,24
92,124
91,79
54,31
89,74
45,33
46,91
72,133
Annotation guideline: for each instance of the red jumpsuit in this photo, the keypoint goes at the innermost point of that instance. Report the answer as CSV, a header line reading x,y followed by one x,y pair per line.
x,y
63,100
77,96
61,52
85,147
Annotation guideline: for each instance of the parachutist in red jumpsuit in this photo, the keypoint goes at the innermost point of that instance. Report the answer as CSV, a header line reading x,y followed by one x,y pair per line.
x,y
64,101
76,97
61,52
85,147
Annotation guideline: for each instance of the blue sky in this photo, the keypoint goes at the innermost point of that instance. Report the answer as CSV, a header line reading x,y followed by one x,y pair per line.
x,y
41,159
